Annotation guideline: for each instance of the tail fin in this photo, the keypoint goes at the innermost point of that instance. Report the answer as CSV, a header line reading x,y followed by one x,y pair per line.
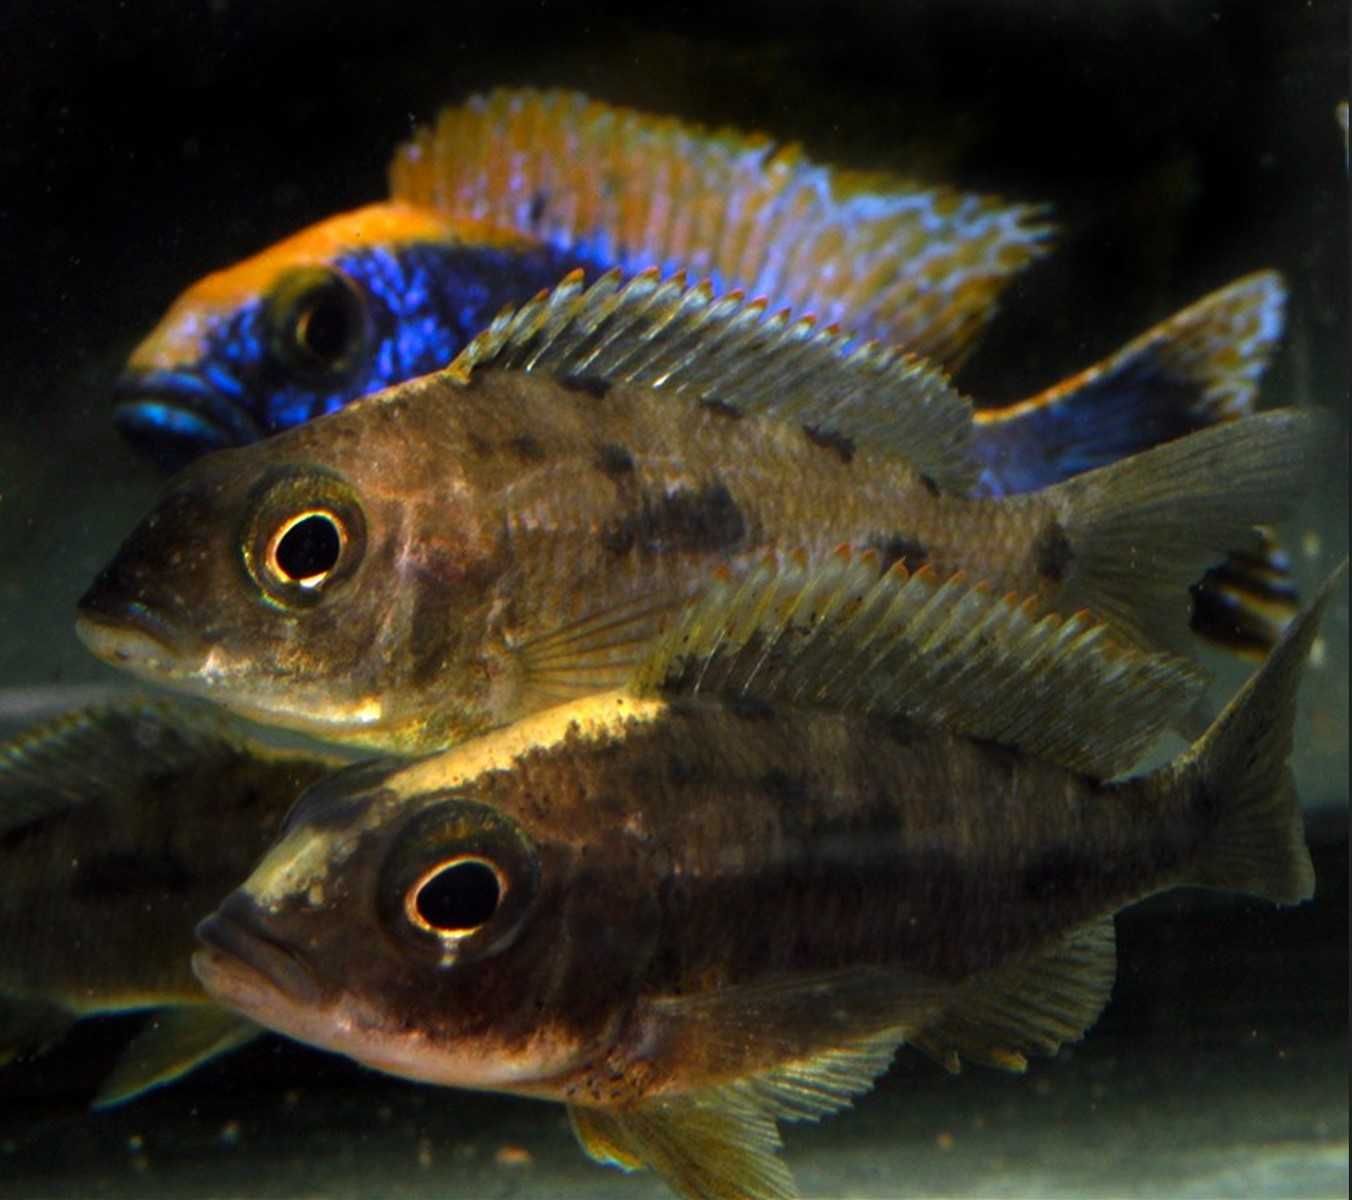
x,y
1239,769
1138,533
1244,604
1199,367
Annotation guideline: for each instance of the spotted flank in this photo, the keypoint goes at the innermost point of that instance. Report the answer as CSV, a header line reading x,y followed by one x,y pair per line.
x,y
909,264
685,341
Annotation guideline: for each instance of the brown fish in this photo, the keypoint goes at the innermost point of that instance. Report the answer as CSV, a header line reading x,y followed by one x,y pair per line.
x,y
545,910
120,827
465,549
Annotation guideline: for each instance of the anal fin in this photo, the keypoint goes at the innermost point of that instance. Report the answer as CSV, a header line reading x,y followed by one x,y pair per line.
x,y
174,1042
1000,1017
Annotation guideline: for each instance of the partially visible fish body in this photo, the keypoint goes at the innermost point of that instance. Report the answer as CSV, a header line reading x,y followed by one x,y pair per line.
x,y
120,826
478,544
504,195
545,910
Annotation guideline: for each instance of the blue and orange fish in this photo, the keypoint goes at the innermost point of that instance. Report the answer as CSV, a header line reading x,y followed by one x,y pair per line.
x,y
506,193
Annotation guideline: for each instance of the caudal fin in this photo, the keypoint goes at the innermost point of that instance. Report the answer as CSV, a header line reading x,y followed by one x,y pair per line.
x,y
1239,770
1201,366
1139,533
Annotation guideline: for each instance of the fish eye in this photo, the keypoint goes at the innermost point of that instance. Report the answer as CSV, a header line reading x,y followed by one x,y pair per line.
x,y
456,898
318,321
305,533
306,548
458,883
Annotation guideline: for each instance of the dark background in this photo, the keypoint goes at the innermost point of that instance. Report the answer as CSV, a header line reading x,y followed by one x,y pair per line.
x,y
1181,143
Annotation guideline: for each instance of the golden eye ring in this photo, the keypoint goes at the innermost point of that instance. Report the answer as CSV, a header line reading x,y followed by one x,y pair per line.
x,y
308,554
303,535
473,903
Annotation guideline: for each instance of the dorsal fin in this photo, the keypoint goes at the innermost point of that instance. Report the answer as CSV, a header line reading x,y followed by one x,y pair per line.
x,y
909,264
842,636
683,340
111,748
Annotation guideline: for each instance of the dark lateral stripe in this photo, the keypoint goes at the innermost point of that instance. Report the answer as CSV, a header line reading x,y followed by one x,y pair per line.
x,y
682,521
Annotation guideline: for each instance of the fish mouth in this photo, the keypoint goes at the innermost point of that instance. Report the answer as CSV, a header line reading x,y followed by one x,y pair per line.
x,y
175,416
129,635
243,964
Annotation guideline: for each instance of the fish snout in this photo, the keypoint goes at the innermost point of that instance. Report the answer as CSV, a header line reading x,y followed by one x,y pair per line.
x,y
174,416
240,949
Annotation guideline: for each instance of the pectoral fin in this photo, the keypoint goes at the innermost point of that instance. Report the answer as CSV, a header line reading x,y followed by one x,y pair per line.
x,y
174,1042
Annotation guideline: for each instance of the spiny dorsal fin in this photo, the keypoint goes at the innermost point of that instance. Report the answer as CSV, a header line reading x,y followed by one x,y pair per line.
x,y
844,637
908,264
685,341
1000,1017
109,748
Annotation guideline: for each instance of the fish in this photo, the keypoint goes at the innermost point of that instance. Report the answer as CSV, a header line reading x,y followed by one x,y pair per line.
x,y
462,550
501,197
121,825
544,911
507,192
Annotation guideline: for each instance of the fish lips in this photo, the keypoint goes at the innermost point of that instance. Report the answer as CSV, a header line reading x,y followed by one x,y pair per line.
x,y
243,965
130,633
174,416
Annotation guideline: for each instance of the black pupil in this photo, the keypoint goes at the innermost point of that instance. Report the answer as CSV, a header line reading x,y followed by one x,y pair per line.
x,y
310,547
324,327
462,896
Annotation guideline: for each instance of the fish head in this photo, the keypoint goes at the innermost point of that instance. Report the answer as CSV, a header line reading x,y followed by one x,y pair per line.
x,y
431,936
338,310
332,580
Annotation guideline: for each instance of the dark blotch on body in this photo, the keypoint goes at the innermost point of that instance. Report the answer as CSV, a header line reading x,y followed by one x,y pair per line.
x,y
682,521
829,439
892,548
614,460
527,448
1052,552
721,408
592,385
